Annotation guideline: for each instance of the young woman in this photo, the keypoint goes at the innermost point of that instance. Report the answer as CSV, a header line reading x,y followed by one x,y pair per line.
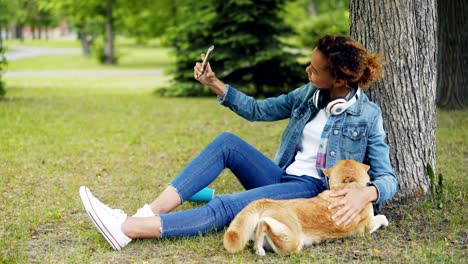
x,y
330,119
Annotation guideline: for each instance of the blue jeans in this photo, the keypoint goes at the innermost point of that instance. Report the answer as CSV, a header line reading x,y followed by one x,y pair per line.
x,y
260,176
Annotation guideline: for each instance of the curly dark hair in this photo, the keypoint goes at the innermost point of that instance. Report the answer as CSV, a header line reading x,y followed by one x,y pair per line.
x,y
350,60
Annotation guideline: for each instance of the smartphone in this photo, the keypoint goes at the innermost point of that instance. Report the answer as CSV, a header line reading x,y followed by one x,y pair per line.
x,y
207,58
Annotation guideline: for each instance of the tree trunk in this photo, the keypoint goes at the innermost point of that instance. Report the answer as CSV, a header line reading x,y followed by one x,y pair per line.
x,y
311,9
109,35
39,33
1,37
19,32
85,42
452,54
404,31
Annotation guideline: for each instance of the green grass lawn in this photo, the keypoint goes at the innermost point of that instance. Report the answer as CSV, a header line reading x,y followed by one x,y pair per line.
x,y
126,144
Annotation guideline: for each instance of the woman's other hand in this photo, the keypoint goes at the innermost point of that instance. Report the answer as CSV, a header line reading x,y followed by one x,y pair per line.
x,y
351,203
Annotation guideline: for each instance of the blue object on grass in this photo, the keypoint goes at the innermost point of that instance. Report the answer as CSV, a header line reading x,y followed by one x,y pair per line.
x,y
205,195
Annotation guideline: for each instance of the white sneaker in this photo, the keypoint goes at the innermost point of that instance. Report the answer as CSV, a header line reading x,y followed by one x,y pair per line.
x,y
107,220
145,211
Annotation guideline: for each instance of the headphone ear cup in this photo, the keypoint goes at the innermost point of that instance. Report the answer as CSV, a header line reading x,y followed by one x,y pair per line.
x,y
315,98
321,98
336,106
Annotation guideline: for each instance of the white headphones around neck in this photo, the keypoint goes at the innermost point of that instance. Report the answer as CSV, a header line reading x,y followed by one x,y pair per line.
x,y
336,106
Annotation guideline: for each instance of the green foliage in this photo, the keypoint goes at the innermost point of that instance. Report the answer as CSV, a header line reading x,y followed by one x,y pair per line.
x,y
248,52
98,51
100,55
336,22
7,13
89,19
146,19
436,185
38,14
311,20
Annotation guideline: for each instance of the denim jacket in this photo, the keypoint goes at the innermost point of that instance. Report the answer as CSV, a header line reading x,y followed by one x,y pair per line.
x,y
356,134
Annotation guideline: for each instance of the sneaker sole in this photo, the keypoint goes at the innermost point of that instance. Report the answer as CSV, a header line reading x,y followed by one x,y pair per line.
x,y
85,195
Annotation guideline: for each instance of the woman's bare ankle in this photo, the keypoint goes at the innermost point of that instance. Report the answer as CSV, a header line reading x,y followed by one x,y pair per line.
x,y
142,227
127,228
167,201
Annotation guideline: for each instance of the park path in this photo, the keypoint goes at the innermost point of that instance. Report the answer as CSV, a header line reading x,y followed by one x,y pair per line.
x,y
85,73
24,52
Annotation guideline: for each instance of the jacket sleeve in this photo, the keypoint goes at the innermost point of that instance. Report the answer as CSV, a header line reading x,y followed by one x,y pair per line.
x,y
378,157
270,109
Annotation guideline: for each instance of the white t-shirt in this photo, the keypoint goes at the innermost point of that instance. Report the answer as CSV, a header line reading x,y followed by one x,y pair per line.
x,y
306,156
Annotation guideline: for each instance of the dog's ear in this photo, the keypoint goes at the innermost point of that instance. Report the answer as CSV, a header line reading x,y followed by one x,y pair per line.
x,y
327,172
366,167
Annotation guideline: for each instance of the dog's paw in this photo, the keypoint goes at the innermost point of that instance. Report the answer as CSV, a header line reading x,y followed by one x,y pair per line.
x,y
383,220
260,251
377,222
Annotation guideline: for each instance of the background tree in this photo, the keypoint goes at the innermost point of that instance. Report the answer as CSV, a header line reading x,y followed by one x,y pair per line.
x,y
312,19
8,9
19,17
404,31
248,53
94,21
190,37
83,17
109,56
146,19
39,17
32,15
6,15
2,67
452,36
46,18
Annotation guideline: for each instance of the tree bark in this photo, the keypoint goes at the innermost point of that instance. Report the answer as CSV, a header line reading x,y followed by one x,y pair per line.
x,y
109,35
405,32
452,54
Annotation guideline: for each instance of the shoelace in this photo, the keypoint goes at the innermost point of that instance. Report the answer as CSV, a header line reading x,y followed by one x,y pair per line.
x,y
116,213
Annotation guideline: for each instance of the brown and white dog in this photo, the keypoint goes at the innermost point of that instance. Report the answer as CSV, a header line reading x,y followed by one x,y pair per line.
x,y
286,226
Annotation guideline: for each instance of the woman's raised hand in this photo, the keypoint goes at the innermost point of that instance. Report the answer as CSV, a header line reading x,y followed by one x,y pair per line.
x,y
208,77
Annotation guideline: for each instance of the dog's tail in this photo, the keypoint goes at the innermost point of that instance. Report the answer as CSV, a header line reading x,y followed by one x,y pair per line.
x,y
242,228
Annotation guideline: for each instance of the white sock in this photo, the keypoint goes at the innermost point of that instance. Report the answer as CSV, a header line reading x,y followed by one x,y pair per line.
x,y
145,211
